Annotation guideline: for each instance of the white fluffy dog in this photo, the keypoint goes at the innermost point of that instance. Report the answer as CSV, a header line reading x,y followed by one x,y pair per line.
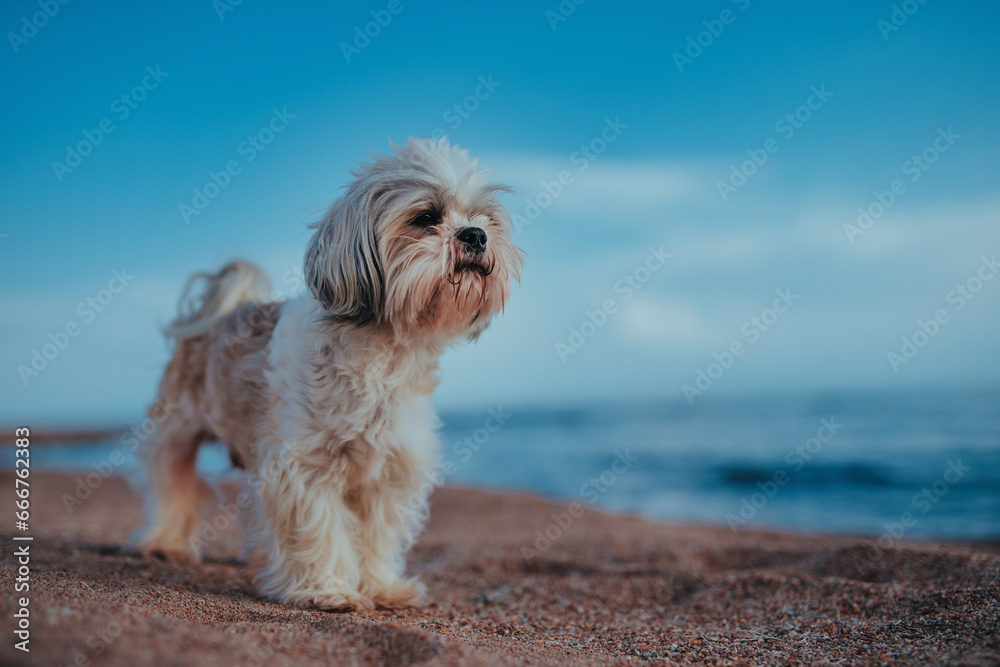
x,y
325,400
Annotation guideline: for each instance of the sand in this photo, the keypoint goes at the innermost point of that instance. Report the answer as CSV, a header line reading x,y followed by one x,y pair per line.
x,y
609,590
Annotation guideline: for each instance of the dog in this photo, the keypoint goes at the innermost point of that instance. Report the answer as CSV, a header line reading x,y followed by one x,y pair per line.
x,y
325,400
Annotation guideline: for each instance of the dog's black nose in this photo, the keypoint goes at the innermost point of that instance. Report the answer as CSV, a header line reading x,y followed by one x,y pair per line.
x,y
473,237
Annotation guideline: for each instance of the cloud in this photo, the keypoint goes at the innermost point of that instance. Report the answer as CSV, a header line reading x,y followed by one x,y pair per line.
x,y
618,189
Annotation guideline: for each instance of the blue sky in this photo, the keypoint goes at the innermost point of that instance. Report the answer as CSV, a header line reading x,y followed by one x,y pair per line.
x,y
888,95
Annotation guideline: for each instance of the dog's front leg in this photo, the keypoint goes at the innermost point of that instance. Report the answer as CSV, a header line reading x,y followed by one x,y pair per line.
x,y
307,532
390,517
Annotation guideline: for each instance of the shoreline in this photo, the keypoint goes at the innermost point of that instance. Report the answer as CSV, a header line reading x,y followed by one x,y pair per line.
x,y
609,589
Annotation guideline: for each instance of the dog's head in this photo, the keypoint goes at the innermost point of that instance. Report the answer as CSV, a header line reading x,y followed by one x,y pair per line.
x,y
418,243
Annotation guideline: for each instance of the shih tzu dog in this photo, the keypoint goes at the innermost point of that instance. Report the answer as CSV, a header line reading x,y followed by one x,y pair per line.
x,y
325,400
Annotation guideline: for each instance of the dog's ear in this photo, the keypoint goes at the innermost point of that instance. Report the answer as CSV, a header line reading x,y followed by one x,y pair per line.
x,y
342,267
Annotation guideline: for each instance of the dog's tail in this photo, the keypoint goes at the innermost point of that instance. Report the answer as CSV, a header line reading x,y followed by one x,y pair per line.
x,y
237,283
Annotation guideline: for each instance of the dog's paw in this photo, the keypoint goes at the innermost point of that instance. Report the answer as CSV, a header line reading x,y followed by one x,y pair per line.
x,y
402,593
341,601
169,551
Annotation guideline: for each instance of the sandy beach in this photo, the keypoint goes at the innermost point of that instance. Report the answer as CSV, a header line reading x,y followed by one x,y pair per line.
x,y
606,590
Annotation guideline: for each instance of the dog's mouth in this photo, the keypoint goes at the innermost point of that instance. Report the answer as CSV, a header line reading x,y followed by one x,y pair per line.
x,y
470,286
474,266
460,264
466,266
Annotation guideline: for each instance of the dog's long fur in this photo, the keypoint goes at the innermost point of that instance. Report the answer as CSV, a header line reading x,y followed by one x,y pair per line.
x,y
325,400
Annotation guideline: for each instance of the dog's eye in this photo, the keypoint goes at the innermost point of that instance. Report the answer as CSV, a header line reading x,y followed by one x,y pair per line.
x,y
426,219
